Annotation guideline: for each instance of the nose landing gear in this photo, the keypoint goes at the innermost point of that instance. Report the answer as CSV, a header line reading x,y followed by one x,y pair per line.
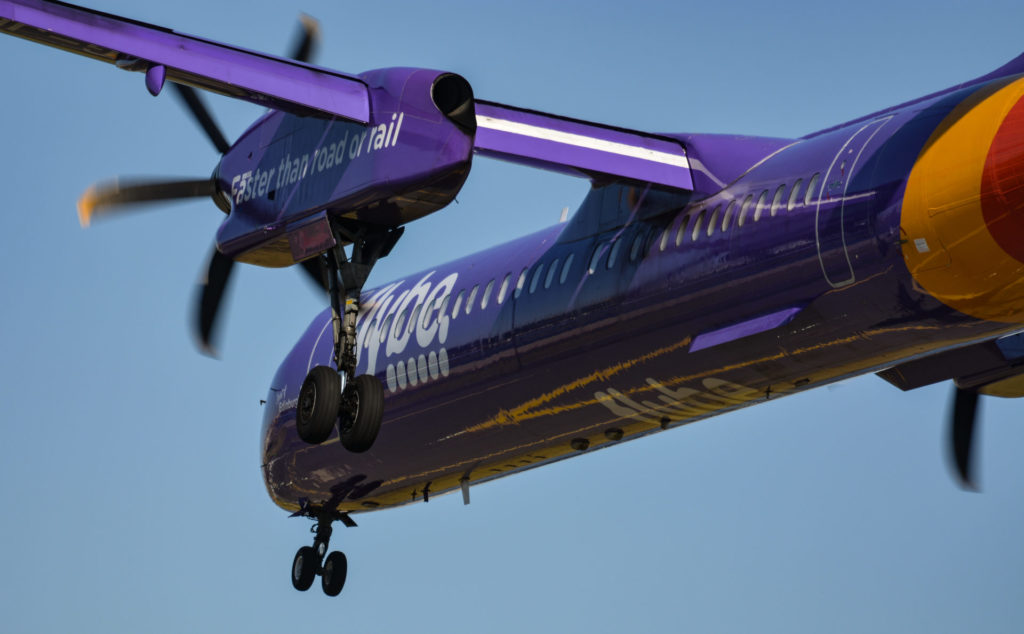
x,y
310,561
330,396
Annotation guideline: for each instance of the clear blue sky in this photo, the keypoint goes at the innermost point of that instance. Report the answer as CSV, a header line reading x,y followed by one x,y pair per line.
x,y
132,498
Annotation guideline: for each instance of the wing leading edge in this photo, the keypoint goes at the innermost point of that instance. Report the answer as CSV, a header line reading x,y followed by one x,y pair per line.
x,y
256,77
551,142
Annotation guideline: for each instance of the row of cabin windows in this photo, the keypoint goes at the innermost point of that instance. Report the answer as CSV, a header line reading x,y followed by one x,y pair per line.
x,y
708,221
613,248
465,304
705,223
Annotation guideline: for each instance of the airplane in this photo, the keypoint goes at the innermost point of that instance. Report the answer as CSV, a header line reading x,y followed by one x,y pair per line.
x,y
725,272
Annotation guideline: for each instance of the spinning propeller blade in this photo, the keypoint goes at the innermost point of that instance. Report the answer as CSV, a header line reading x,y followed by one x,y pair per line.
x,y
965,411
210,293
109,198
316,272
198,109
309,37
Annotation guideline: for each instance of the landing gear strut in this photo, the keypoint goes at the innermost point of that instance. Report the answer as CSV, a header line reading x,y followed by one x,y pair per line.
x,y
310,561
329,396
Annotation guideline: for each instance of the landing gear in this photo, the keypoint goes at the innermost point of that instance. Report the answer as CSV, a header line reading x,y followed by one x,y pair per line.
x,y
360,422
304,568
335,571
319,403
310,561
356,404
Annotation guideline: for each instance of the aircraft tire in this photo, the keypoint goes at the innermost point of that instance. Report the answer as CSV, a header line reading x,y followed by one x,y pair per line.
x,y
334,574
319,402
304,568
368,395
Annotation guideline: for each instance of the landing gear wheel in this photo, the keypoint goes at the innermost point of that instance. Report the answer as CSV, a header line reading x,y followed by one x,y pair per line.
x,y
319,402
335,571
365,409
304,568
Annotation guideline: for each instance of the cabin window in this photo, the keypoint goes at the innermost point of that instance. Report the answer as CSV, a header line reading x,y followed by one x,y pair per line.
x,y
762,202
384,329
777,201
444,304
810,188
521,282
681,231
696,226
400,322
458,303
713,221
504,288
638,245
400,374
471,298
487,295
428,312
594,259
415,315
565,268
411,372
614,254
664,238
537,272
727,216
794,195
744,209
552,271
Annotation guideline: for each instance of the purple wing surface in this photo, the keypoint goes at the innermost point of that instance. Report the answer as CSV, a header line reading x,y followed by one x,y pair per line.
x,y
514,134
578,147
161,53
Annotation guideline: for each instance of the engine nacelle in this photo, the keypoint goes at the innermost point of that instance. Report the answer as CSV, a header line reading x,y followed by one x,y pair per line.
x,y
287,175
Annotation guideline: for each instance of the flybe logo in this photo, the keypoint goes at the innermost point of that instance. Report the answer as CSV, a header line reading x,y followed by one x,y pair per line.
x,y
343,148
393,316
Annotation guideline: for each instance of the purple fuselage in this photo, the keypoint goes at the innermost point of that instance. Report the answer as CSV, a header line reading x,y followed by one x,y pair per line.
x,y
646,310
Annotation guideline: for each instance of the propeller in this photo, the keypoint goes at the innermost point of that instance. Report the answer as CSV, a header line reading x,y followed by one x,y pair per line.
x,y
965,413
309,37
316,271
303,50
209,294
112,198
195,105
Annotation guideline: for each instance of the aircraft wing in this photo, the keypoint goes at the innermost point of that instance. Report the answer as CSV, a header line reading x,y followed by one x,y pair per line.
x,y
578,147
263,79
514,134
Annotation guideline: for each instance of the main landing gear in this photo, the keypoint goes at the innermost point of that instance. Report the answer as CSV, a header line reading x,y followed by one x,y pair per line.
x,y
329,396
310,561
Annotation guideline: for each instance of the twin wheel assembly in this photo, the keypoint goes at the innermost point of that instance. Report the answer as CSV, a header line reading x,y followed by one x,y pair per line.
x,y
357,409
357,406
309,562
